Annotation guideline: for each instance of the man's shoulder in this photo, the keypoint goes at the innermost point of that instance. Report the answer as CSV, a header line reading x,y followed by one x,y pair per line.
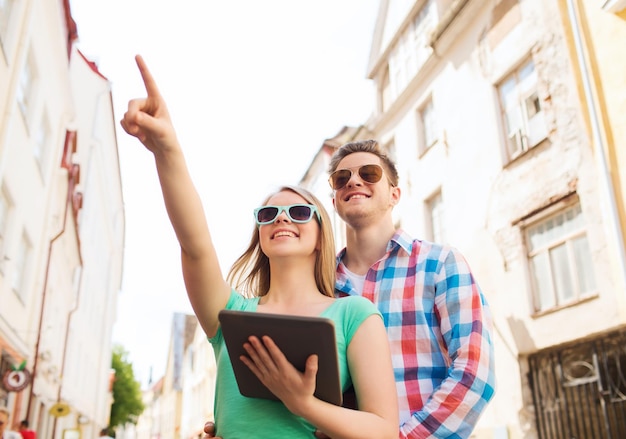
x,y
10,434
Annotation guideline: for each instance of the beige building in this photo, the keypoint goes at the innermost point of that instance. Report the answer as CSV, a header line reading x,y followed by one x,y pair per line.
x,y
502,155
61,223
199,372
179,404
600,66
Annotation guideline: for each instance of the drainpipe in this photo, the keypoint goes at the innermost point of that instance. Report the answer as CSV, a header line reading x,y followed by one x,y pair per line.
x,y
70,138
43,307
573,15
67,336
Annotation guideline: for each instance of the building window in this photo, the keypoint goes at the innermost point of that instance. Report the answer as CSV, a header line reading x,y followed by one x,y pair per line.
x,y
412,49
386,93
560,260
6,6
192,357
422,26
436,218
20,266
522,114
397,68
427,126
42,142
6,207
4,213
25,89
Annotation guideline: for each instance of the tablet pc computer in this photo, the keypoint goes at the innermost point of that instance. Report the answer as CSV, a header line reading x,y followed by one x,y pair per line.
x,y
297,337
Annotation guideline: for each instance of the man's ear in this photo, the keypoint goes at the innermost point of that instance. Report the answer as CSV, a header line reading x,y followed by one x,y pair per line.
x,y
394,196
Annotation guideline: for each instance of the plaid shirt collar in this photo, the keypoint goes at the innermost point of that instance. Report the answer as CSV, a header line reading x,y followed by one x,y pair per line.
x,y
400,238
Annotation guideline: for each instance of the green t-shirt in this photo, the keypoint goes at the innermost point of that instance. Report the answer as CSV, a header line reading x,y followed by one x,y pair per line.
x,y
237,416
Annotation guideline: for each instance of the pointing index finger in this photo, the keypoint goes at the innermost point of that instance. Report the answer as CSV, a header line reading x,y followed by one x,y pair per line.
x,y
148,79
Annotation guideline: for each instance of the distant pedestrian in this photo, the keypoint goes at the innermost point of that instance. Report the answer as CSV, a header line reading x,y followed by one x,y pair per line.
x,y
5,414
26,432
104,434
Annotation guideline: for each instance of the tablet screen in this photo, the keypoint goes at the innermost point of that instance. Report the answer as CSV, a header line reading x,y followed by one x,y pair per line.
x,y
297,337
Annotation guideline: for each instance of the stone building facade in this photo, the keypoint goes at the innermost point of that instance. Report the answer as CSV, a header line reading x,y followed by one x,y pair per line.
x,y
482,105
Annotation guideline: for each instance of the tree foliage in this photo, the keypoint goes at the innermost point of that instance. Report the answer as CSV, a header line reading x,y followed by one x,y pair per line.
x,y
127,400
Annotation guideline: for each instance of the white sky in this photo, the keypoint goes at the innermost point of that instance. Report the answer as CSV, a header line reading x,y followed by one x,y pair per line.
x,y
254,87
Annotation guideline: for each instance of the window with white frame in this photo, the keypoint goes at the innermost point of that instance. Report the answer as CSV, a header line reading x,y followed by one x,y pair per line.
x,y
560,259
436,218
427,126
25,88
385,91
423,23
6,6
42,142
5,211
522,114
20,266
411,49
192,357
397,67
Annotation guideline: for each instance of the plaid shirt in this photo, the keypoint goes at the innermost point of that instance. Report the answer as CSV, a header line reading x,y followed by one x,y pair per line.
x,y
439,328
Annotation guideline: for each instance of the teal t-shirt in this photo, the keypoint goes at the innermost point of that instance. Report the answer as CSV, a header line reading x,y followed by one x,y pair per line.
x,y
237,416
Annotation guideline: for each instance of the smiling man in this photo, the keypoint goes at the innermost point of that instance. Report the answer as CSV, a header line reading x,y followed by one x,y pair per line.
x,y
438,321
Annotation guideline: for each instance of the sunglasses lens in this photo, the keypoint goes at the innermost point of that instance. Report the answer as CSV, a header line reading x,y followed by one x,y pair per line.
x,y
340,178
371,173
300,213
368,173
267,214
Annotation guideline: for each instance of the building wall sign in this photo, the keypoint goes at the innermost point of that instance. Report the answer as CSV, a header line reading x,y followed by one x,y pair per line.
x,y
17,378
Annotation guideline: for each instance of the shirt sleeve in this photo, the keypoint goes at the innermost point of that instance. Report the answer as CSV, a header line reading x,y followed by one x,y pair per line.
x,y
466,326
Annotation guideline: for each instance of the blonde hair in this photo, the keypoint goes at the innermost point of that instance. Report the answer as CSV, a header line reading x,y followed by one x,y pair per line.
x,y
250,273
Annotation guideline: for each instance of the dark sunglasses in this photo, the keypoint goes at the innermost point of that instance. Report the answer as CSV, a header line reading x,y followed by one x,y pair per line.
x,y
297,213
368,173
